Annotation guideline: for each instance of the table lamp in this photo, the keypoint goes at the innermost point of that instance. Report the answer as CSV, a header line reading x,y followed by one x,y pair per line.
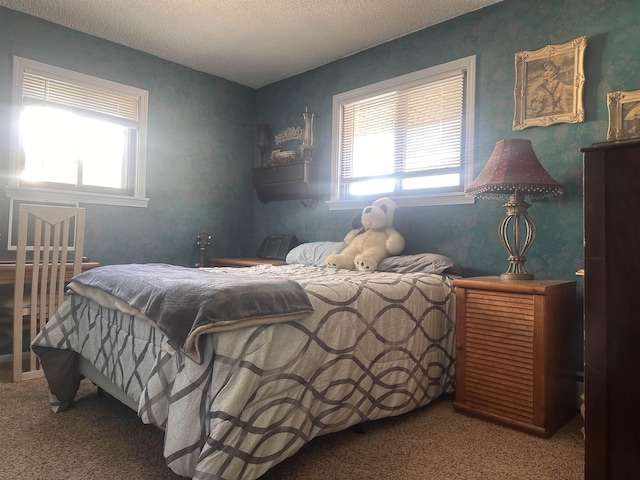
x,y
514,172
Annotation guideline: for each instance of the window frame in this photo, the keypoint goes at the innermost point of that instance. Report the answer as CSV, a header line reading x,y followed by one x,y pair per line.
x,y
427,75
26,191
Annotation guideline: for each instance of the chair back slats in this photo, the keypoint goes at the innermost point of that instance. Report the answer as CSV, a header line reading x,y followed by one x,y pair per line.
x,y
61,271
52,228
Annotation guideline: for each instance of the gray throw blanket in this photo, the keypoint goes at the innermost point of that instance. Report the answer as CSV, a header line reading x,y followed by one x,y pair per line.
x,y
185,303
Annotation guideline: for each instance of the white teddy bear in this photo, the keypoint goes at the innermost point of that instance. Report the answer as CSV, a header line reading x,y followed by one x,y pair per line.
x,y
377,239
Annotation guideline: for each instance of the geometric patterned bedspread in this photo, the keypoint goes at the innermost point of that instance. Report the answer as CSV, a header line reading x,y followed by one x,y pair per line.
x,y
378,344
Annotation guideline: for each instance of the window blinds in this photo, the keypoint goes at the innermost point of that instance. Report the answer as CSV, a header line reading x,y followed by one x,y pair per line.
x,y
422,126
41,90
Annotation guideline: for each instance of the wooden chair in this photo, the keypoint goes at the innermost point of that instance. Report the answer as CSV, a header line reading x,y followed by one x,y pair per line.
x,y
40,285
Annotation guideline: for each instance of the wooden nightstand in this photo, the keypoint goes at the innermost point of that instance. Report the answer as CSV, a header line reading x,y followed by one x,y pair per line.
x,y
513,358
243,262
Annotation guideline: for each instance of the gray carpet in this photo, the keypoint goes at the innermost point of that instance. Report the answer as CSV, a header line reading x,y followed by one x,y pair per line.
x,y
99,438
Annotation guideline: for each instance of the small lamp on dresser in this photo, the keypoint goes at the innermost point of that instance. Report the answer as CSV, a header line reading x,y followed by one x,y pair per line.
x,y
513,172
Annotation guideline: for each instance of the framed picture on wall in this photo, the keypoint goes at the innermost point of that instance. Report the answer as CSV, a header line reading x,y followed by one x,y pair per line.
x,y
624,115
549,85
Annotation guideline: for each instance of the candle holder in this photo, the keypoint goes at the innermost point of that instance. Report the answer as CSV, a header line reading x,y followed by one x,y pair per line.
x,y
264,140
307,142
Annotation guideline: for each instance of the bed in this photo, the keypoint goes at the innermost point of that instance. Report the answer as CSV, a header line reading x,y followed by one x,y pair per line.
x,y
241,397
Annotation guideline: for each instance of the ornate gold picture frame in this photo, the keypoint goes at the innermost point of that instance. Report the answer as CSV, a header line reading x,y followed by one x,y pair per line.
x,y
624,115
549,85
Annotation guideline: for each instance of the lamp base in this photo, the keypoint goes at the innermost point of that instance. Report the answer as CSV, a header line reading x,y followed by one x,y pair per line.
x,y
516,276
514,243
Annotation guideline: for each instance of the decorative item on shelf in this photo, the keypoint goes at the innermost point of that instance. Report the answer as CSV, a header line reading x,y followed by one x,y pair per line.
x,y
288,134
263,142
202,241
513,172
279,157
307,142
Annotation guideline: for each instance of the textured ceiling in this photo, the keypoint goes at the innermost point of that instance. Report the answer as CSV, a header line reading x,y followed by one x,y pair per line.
x,y
252,42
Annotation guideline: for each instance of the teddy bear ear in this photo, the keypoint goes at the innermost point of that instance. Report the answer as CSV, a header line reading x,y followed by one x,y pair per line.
x,y
385,201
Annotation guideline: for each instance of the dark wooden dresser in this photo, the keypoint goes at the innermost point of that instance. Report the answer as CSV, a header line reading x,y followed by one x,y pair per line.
x,y
612,310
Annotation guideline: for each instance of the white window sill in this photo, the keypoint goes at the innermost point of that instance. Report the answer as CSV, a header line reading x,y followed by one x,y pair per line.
x,y
405,201
47,195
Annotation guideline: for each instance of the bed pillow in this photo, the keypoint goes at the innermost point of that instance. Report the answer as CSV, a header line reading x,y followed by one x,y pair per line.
x,y
420,262
314,253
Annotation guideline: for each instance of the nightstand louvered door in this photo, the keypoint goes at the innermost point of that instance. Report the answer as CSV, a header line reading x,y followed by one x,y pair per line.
x,y
512,342
499,353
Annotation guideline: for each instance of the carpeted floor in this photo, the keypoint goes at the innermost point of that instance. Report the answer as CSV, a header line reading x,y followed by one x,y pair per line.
x,y
100,438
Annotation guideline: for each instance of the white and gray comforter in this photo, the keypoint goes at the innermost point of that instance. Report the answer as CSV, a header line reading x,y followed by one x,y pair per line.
x,y
378,344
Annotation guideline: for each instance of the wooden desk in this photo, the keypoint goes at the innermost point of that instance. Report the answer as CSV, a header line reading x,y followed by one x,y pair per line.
x,y
243,262
8,272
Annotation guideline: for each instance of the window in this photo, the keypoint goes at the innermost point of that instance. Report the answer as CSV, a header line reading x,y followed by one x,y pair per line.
x,y
76,138
410,138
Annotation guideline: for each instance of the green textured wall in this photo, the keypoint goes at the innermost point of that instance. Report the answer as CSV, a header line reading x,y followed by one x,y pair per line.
x,y
468,233
200,147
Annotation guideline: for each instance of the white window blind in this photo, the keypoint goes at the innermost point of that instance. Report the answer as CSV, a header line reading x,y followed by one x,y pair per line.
x,y
409,136
76,138
41,90
424,125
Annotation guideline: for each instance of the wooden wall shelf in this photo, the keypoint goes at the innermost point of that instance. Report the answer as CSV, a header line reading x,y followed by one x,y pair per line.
x,y
289,181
